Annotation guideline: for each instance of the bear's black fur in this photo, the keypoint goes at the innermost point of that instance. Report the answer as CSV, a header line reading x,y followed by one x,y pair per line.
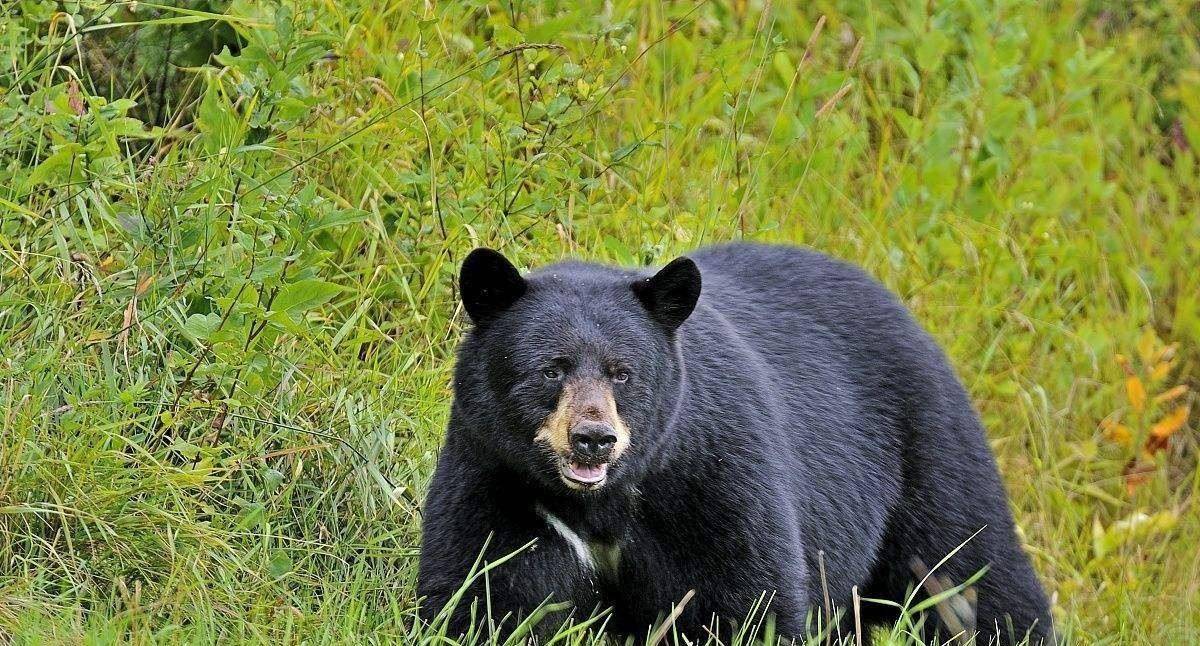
x,y
797,411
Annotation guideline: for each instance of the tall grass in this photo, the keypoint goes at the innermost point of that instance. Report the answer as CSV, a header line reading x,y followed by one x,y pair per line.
x,y
229,230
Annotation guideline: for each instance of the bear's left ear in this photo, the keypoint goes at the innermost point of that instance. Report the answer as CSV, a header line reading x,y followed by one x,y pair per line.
x,y
489,284
671,294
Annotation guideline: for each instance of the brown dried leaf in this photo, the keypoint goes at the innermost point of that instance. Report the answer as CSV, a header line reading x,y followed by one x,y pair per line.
x,y
1167,352
75,97
1155,445
144,284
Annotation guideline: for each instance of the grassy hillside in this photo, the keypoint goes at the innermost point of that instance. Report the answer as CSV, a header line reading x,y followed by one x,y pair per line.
x,y
229,233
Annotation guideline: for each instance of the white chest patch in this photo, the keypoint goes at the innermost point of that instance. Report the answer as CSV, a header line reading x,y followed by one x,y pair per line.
x,y
577,544
597,557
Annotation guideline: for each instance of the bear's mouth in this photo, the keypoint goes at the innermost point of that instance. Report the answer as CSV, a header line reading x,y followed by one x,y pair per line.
x,y
584,476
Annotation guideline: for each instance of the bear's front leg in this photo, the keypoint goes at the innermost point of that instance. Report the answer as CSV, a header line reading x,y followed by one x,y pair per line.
x,y
741,555
526,564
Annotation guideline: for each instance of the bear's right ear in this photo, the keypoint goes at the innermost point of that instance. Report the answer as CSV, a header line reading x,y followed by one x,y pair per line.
x,y
671,294
489,284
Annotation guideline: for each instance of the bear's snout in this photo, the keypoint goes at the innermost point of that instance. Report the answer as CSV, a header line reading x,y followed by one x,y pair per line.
x,y
586,433
592,442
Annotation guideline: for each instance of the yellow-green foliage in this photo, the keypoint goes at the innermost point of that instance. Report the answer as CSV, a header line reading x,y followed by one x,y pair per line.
x,y
229,231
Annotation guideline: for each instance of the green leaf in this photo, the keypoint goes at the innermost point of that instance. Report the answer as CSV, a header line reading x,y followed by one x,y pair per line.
x,y
280,564
63,166
558,105
932,50
301,296
251,516
186,449
506,36
217,121
783,66
201,327
272,478
338,218
268,268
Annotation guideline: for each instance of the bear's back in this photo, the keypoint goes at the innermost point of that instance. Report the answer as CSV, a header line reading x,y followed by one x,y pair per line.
x,y
798,307
841,359
763,288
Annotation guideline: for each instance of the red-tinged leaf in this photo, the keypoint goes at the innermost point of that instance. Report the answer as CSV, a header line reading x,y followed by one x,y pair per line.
x,y
75,97
1155,445
1136,473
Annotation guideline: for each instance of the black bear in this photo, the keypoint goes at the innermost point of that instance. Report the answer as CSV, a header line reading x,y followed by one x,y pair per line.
x,y
779,436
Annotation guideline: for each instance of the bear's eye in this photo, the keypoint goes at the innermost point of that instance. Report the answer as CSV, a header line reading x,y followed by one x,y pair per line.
x,y
620,376
552,374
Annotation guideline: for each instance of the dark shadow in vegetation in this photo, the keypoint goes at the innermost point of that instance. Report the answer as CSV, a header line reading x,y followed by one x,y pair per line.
x,y
150,60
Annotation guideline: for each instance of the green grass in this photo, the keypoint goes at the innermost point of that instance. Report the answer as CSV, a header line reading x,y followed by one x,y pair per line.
x,y
225,341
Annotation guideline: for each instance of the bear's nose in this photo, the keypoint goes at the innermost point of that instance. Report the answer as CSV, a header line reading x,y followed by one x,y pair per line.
x,y
592,440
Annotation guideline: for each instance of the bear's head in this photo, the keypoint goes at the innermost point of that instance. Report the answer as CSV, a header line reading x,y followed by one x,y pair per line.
x,y
570,375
